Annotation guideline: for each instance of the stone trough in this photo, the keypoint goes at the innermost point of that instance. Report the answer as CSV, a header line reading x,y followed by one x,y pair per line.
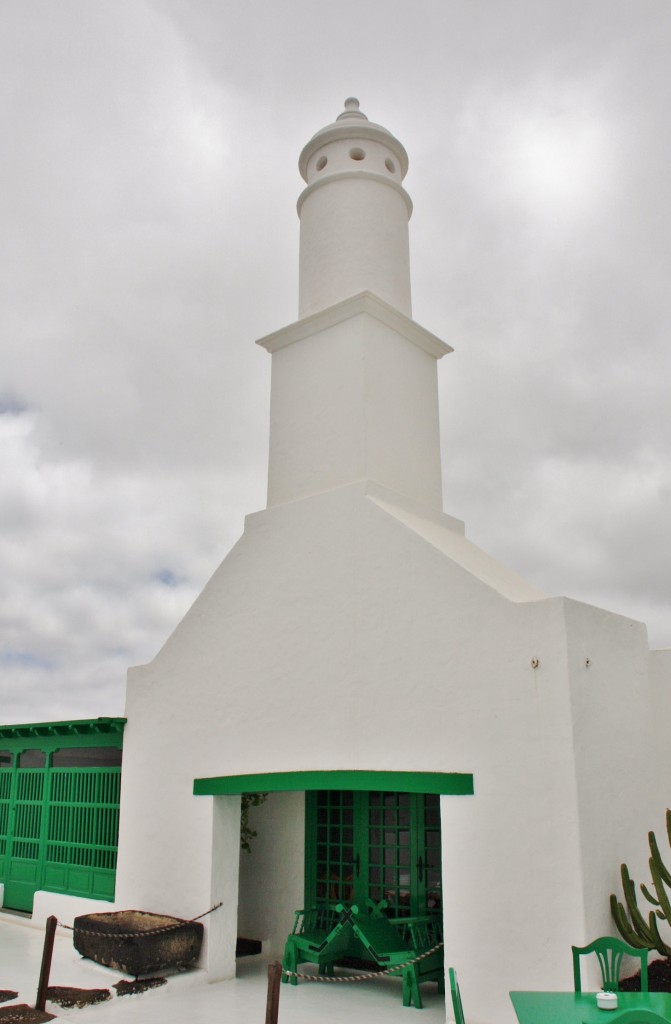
x,y
138,943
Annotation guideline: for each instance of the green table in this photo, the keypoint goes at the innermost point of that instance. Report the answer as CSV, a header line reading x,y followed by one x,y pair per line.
x,y
581,1008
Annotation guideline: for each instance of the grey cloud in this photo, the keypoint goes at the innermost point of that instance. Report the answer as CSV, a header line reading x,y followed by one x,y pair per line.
x,y
149,235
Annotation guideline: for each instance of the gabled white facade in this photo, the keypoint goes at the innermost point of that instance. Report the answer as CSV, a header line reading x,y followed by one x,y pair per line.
x,y
354,627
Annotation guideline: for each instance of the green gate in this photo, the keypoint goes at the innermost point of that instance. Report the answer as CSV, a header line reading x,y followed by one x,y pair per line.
x,y
59,809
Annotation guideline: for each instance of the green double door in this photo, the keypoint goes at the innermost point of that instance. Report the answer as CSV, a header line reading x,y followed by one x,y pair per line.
x,y
368,845
58,831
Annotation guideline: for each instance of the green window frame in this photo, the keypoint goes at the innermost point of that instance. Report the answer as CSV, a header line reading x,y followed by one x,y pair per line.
x,y
374,845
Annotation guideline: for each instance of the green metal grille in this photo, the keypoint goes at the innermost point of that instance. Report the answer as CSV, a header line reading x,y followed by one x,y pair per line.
x,y
28,809
6,776
84,817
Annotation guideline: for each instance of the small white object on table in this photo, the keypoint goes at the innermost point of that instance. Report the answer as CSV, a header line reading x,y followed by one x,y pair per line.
x,y
606,1000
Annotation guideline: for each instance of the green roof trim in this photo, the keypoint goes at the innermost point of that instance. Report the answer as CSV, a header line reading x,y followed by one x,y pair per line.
x,y
448,783
83,727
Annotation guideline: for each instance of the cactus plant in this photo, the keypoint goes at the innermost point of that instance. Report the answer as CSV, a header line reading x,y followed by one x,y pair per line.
x,y
631,922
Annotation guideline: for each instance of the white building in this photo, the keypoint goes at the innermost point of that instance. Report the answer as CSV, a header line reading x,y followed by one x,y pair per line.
x,y
353,629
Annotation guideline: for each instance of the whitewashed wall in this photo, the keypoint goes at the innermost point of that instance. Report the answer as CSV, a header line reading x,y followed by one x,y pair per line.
x,y
338,636
271,874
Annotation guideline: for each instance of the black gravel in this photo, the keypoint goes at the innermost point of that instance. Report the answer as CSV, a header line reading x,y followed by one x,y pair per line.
x,y
659,978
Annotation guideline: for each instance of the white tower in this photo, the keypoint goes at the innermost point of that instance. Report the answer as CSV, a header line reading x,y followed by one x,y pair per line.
x,y
354,386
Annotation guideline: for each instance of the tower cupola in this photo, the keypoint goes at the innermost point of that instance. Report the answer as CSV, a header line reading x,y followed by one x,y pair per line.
x,y
354,215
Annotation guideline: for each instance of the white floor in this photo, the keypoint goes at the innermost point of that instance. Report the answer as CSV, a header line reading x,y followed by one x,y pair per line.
x,y
188,999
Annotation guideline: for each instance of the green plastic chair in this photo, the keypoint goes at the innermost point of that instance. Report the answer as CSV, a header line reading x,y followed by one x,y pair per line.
x,y
610,952
456,998
319,937
392,943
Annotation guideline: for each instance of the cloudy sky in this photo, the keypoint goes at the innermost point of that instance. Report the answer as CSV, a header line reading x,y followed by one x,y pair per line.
x,y
148,236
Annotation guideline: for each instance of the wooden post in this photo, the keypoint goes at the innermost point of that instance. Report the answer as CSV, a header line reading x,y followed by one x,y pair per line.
x,y
273,1000
47,954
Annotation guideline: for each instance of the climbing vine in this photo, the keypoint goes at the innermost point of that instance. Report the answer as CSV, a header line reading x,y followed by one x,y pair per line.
x,y
246,832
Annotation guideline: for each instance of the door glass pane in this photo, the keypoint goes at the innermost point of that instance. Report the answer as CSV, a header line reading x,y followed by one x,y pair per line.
x,y
86,757
32,759
335,846
389,843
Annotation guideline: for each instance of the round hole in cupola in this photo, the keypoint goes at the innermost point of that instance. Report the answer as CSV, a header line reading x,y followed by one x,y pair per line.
x,y
390,165
357,154
321,163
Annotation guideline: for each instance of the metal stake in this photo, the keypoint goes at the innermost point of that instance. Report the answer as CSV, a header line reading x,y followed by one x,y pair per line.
x,y
273,1000
47,954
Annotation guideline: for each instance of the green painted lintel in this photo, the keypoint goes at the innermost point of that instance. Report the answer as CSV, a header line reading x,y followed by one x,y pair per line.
x,y
449,783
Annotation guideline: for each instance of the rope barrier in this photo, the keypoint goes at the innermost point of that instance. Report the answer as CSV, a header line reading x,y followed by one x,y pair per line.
x,y
361,977
149,931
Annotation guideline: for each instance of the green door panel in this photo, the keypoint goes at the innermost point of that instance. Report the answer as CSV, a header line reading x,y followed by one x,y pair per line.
x,y
58,831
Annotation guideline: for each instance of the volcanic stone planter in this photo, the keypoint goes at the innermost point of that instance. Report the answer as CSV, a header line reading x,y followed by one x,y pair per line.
x,y
138,943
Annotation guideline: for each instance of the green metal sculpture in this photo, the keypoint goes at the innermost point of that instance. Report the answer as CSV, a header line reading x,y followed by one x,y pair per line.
x,y
631,922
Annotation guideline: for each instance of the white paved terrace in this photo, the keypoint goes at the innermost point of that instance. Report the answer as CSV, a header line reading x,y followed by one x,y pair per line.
x,y
188,999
